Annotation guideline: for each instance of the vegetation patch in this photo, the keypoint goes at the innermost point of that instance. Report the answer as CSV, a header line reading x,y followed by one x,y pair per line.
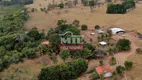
x,y
64,71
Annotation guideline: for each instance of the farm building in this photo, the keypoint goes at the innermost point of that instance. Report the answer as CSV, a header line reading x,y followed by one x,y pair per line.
x,y
105,70
103,43
117,30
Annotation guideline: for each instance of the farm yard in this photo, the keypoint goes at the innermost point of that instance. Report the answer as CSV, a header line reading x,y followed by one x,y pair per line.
x,y
106,54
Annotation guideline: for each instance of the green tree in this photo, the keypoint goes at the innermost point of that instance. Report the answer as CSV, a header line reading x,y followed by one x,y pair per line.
x,y
138,50
101,62
54,39
91,4
102,37
64,71
112,60
33,33
124,44
128,65
76,23
97,27
120,70
84,27
61,22
61,5
64,54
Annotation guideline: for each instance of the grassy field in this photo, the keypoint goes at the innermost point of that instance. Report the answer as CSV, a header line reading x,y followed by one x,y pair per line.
x,y
130,21
136,72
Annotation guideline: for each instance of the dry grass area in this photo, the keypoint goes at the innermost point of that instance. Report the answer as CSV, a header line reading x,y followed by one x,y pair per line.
x,y
129,21
136,72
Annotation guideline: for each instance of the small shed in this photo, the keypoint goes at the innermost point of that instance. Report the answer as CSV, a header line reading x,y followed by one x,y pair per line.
x,y
117,30
103,43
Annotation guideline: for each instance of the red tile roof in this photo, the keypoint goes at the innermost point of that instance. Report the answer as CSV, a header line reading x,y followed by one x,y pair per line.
x,y
103,69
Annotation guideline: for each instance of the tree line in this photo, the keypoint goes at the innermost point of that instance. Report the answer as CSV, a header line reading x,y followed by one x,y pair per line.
x,y
64,71
11,2
16,43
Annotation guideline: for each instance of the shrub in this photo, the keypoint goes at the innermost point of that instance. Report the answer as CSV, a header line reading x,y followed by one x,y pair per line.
x,y
129,4
64,71
64,54
101,63
138,50
97,27
124,44
112,60
61,5
84,27
76,23
116,8
128,64
120,70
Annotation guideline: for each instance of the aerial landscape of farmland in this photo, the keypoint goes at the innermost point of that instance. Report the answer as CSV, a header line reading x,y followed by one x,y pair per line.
x,y
70,39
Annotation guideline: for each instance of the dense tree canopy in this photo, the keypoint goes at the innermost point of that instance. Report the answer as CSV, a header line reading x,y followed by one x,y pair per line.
x,y
15,43
116,8
11,2
124,44
120,8
64,71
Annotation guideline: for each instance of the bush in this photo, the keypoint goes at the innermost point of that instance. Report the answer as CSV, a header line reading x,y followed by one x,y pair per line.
x,y
61,5
76,23
120,70
128,65
116,8
97,27
64,54
101,63
123,44
139,50
64,71
129,4
84,27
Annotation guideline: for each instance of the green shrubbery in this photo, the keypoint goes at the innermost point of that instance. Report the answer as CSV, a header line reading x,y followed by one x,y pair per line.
x,y
120,8
116,8
11,2
17,44
64,71
129,4
124,45
84,27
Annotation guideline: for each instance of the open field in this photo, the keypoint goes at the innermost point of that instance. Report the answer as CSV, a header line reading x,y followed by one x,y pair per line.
x,y
136,72
129,21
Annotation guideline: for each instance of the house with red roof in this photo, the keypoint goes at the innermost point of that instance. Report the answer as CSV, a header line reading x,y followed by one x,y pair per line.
x,y
104,70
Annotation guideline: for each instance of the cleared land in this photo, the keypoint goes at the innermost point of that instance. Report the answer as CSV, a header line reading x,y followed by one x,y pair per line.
x,y
129,21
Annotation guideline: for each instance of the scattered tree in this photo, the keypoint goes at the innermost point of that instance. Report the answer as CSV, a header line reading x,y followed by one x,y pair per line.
x,y
84,27
64,54
97,27
124,44
128,65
